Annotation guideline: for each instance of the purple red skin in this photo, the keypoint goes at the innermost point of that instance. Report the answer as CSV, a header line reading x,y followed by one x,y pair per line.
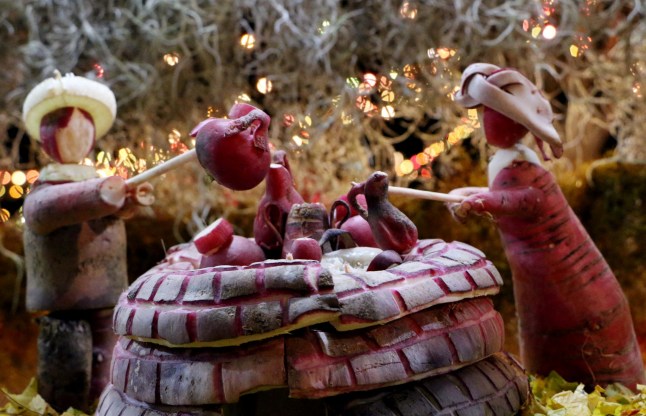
x,y
391,229
241,252
235,152
339,211
384,260
360,230
574,317
306,248
269,223
53,121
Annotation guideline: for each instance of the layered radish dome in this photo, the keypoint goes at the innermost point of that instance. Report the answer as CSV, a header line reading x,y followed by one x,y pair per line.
x,y
335,330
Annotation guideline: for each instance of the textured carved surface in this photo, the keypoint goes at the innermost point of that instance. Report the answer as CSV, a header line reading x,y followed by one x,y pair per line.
x,y
192,376
222,306
176,304
494,386
115,403
433,341
434,272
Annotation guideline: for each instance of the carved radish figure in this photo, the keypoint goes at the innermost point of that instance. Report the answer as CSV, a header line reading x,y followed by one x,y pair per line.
x,y
573,315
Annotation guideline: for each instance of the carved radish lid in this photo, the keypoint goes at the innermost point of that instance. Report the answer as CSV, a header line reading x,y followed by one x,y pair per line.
x,y
177,304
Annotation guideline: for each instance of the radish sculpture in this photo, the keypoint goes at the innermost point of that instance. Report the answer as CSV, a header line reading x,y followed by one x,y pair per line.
x,y
235,151
573,316
213,324
75,240
392,230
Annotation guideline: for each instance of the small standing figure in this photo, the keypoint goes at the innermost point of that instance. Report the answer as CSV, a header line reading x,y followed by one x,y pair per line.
x,y
573,315
75,241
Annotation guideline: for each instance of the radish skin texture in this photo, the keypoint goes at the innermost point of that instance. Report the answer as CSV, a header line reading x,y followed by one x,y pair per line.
x,y
67,134
77,248
241,252
391,228
273,209
214,237
360,230
306,248
235,152
52,206
573,315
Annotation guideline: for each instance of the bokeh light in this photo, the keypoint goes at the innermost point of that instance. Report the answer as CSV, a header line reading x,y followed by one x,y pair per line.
x,y
19,178
248,41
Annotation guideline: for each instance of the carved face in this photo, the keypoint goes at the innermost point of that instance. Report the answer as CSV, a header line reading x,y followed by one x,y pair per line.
x,y
67,134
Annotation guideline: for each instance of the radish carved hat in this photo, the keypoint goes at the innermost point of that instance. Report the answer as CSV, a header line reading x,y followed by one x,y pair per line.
x,y
69,91
510,93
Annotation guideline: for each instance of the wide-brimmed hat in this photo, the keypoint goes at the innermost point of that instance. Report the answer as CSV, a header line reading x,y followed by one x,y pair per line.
x,y
510,93
69,91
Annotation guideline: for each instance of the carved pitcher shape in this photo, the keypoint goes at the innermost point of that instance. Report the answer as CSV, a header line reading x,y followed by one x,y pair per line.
x,y
269,224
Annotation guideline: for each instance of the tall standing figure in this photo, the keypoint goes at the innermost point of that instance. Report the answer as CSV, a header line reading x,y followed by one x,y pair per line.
x,y
75,242
573,315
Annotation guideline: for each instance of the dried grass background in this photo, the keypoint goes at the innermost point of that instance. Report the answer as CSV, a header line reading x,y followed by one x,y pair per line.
x,y
598,92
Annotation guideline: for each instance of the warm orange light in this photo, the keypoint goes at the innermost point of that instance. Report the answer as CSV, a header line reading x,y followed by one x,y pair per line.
x,y
248,41
171,59
4,215
408,10
406,166
16,192
32,175
422,159
5,178
370,79
264,85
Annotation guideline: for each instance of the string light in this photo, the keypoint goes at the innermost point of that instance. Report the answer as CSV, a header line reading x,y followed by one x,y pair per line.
x,y
16,191
5,178
18,178
32,175
388,112
98,69
264,85
248,41
406,167
549,32
171,59
408,10
288,120
4,215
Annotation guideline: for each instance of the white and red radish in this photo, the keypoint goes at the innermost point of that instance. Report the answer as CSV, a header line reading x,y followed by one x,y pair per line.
x,y
304,220
235,151
67,134
385,260
69,91
217,235
360,230
305,248
241,252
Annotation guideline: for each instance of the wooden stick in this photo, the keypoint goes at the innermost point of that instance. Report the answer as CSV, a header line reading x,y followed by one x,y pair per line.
x,y
434,196
162,168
